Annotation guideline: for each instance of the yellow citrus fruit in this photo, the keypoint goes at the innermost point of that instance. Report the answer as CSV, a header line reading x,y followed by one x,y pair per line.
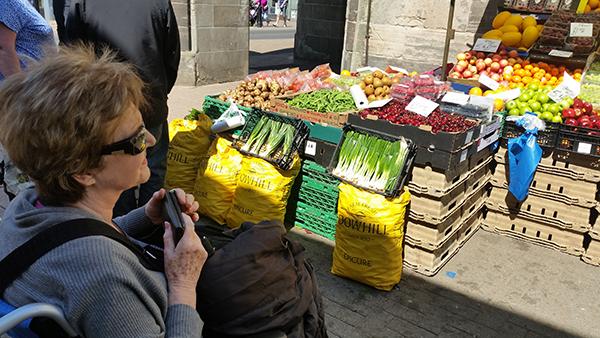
x,y
475,91
500,19
509,28
528,22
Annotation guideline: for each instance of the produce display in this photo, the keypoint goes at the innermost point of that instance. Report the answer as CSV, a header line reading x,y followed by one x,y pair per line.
x,y
581,114
422,85
324,101
377,85
514,30
535,99
439,121
256,93
590,85
557,29
270,139
371,162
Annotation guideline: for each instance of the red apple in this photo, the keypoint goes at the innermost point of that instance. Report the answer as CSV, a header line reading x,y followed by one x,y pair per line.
x,y
587,108
571,122
456,75
496,77
577,103
488,61
472,61
469,54
459,68
467,74
503,52
495,66
461,56
578,112
512,61
503,63
463,63
497,58
480,65
481,55
484,72
473,69
475,77
568,113
489,69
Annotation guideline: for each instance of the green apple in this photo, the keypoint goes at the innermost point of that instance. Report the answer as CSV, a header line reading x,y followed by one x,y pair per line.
x,y
570,100
536,106
547,116
514,112
554,108
522,105
511,105
542,98
524,110
556,119
545,106
525,97
564,104
533,86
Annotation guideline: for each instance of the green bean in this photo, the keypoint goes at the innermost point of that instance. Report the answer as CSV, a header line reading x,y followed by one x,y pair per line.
x,y
324,101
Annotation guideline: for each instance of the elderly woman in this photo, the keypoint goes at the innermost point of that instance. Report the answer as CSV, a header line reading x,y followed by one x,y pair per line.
x,y
72,123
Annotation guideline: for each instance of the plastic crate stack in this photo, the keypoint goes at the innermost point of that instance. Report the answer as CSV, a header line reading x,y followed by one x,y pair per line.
x,y
316,203
446,210
560,211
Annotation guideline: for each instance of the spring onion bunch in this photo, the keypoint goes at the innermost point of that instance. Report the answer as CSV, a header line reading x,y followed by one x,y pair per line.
x,y
371,162
269,137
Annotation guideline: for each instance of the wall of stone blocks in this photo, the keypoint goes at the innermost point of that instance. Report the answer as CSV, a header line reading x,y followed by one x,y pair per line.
x,y
409,33
320,31
218,42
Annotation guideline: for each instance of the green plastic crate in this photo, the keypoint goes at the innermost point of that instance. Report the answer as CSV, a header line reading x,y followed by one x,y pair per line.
x,y
318,173
213,107
316,221
324,133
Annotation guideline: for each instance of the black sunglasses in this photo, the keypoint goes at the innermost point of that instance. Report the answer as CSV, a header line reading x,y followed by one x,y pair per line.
x,y
133,145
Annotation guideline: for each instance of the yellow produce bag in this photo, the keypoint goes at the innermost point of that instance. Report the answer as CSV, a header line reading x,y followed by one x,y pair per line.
x,y
262,192
217,180
189,143
368,238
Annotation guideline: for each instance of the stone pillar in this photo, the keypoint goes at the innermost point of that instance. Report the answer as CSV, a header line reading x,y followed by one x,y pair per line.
x,y
320,31
409,33
218,42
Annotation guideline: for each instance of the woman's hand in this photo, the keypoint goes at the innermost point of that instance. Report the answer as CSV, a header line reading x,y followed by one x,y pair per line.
x,y
183,263
186,202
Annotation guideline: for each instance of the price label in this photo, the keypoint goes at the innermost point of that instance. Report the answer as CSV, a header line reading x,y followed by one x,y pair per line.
x,y
421,106
463,155
487,45
311,148
560,53
584,148
456,98
581,30
489,82
568,88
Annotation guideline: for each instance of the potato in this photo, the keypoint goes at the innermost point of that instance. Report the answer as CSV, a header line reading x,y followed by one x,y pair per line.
x,y
368,80
386,81
362,85
371,97
378,74
369,90
377,83
379,91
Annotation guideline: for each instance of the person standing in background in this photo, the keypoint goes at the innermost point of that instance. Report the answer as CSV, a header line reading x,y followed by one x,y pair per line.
x,y
281,12
145,34
24,36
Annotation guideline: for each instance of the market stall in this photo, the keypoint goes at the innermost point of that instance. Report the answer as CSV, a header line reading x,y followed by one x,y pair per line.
x,y
401,169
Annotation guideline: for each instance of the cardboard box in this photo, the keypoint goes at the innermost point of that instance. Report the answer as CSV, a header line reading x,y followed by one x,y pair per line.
x,y
331,119
562,164
422,136
438,206
433,236
554,187
592,253
423,209
538,209
539,233
429,262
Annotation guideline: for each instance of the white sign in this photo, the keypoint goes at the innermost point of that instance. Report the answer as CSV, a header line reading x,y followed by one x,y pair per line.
x,y
421,106
507,95
568,88
560,53
456,98
489,82
487,45
583,30
463,155
311,148
483,101
584,148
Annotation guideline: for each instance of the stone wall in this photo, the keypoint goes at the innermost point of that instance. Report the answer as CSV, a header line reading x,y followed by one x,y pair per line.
x,y
320,31
218,41
409,33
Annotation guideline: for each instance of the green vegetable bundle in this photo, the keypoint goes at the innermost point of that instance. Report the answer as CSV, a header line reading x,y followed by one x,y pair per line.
x,y
371,162
324,101
269,137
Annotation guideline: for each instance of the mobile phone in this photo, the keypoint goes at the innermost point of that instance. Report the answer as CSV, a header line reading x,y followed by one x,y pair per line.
x,y
172,214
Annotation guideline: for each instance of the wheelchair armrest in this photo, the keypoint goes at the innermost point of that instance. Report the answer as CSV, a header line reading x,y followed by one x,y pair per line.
x,y
22,313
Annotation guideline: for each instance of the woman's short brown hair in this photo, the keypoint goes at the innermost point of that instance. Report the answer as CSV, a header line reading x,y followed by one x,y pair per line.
x,y
55,117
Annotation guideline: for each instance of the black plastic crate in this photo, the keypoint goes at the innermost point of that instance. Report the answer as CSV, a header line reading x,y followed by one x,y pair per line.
x,y
283,161
397,190
545,138
579,140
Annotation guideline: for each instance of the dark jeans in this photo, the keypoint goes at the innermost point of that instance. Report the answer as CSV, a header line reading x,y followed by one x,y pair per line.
x,y
259,18
157,161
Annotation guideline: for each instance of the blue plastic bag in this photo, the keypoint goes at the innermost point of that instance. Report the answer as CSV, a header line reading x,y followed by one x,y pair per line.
x,y
524,155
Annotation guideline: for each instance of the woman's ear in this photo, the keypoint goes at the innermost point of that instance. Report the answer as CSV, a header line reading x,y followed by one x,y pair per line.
x,y
87,180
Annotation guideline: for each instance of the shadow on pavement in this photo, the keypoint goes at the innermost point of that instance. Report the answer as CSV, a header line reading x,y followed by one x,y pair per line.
x,y
415,308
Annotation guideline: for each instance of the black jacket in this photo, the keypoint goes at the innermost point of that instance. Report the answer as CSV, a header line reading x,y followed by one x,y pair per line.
x,y
142,32
260,282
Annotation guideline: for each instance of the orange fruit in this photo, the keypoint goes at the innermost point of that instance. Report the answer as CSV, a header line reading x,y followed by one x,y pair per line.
x,y
517,66
577,71
526,80
547,76
528,73
507,76
520,85
512,85
516,78
476,91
